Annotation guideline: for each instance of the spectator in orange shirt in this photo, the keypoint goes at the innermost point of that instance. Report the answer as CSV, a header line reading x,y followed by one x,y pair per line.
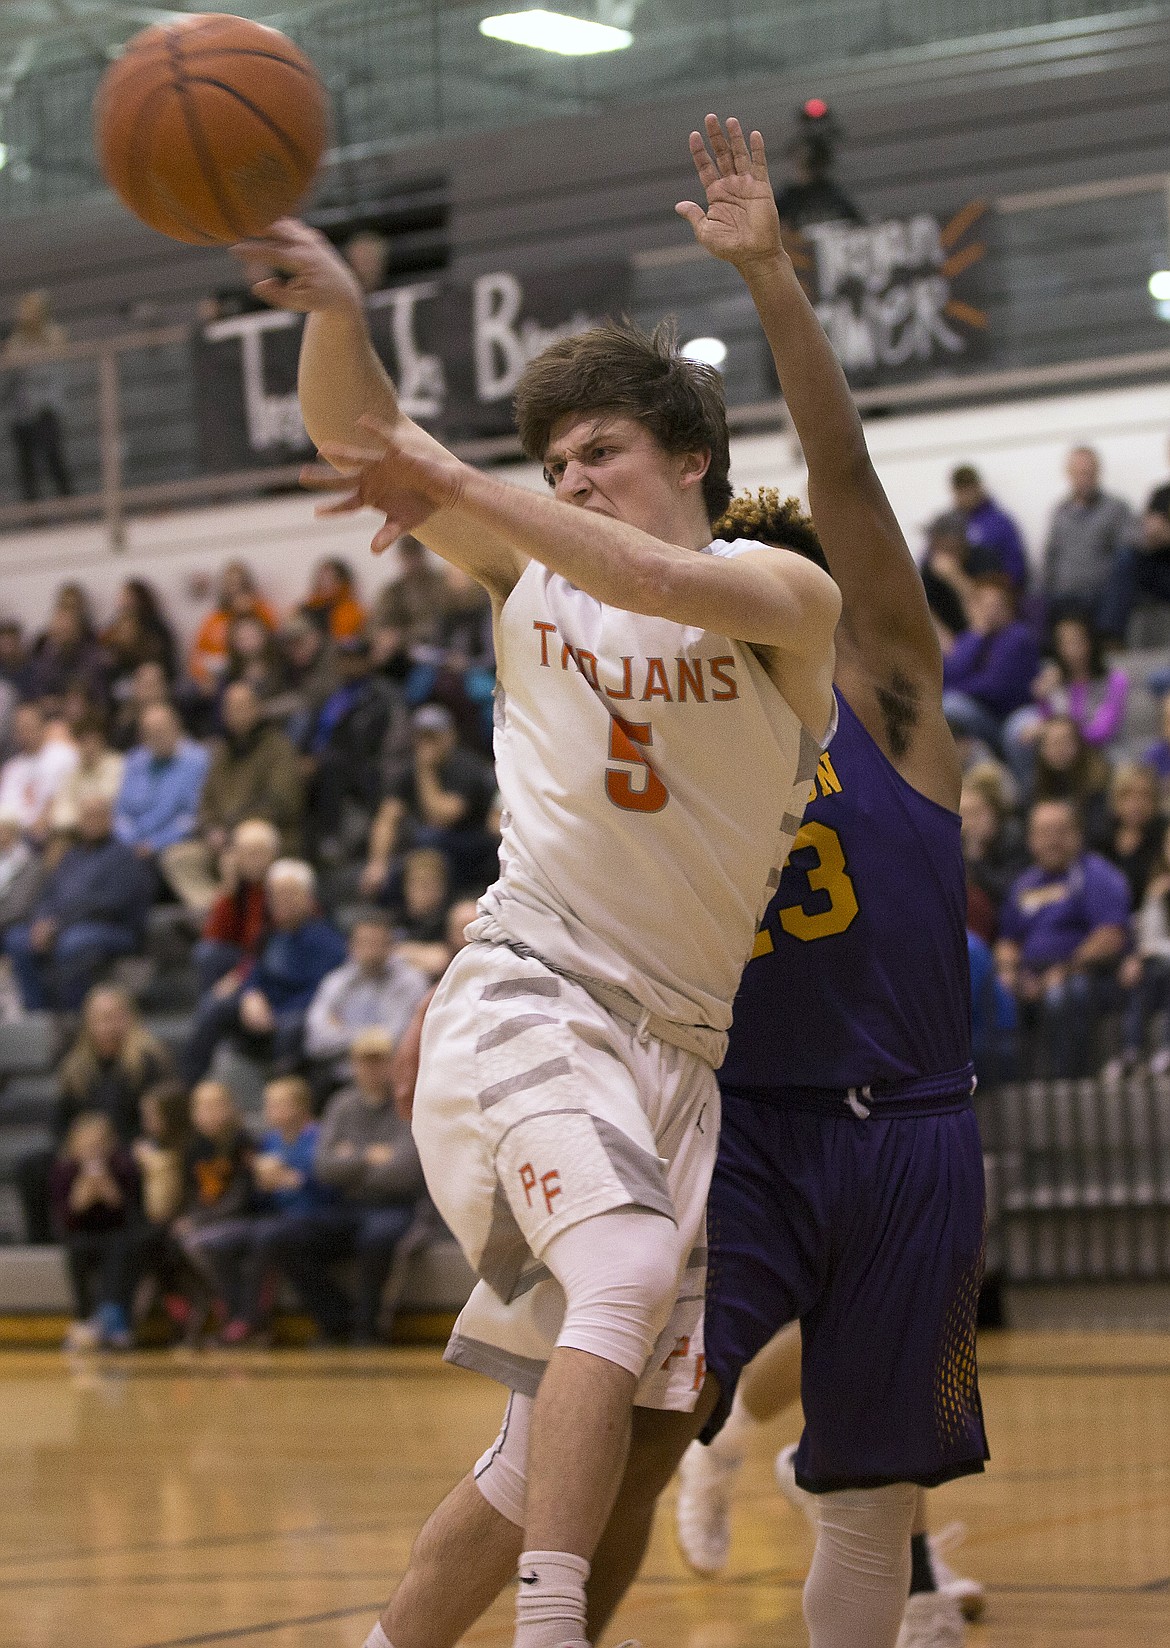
x,y
237,597
332,600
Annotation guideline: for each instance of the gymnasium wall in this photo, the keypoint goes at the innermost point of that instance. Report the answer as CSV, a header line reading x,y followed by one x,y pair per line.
x,y
1020,448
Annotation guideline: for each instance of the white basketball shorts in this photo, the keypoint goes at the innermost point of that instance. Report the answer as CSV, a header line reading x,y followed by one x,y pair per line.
x,y
536,1108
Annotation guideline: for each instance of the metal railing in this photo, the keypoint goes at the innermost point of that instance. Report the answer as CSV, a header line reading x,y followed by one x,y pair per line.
x,y
148,456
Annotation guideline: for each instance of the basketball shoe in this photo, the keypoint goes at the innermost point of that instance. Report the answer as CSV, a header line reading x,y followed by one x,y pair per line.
x,y
702,1514
931,1620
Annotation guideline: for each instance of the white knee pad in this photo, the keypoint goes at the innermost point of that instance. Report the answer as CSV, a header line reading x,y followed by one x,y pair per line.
x,y
501,1473
619,1273
860,1576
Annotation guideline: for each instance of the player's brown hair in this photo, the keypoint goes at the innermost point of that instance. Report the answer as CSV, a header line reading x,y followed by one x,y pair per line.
x,y
768,519
618,368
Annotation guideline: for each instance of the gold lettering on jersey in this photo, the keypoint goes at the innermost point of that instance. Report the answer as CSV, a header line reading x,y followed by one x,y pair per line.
x,y
657,686
826,778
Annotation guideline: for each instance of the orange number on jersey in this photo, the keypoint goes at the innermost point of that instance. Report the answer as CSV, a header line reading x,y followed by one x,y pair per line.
x,y
828,875
624,739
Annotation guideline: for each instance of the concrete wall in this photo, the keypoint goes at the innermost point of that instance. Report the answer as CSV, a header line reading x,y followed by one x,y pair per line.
x,y
1020,448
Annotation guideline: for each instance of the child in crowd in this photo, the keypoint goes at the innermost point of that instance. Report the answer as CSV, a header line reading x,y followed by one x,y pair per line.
x,y
217,1188
239,1251
93,1192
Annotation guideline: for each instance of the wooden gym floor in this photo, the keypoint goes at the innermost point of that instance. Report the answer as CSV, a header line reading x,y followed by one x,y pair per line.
x,y
269,1499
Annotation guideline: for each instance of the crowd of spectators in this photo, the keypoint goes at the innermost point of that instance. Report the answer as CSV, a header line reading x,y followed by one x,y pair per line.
x,y
304,807
1065,810
307,800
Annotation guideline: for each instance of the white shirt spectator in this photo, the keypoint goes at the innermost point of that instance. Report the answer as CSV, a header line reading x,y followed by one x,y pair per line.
x,y
359,996
29,784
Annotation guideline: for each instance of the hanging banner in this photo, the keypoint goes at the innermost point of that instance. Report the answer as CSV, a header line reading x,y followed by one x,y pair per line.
x,y
454,349
899,299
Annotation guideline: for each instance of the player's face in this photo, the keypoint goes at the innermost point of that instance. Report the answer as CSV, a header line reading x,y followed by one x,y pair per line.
x,y
613,466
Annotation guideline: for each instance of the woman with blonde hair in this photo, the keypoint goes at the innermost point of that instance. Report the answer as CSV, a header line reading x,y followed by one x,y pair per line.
x,y
1133,837
93,1190
112,1062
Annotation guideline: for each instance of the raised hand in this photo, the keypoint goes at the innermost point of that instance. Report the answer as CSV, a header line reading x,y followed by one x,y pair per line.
x,y
404,472
741,224
294,267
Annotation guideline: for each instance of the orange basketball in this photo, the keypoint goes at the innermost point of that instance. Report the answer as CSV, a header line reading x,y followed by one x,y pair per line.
x,y
211,127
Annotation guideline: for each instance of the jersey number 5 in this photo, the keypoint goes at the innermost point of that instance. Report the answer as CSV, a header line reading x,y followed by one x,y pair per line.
x,y
625,737
827,875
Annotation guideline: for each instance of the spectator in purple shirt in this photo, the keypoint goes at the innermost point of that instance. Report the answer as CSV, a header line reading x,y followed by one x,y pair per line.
x,y
1063,926
989,670
1078,683
993,538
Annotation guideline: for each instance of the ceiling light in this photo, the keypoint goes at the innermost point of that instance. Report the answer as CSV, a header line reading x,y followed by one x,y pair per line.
x,y
552,31
1160,286
707,351
3,156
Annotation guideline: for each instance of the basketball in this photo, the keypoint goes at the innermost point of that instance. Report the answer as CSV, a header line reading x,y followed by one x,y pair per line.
x,y
211,127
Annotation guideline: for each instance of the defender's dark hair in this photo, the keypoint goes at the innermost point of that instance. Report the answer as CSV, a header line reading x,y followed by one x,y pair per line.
x,y
618,368
771,520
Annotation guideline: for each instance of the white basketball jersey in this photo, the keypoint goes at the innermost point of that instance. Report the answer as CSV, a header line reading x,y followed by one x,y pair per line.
x,y
652,779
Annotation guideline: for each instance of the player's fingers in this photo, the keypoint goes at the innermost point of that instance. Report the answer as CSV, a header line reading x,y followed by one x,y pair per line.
x,y
273,289
320,478
704,165
759,157
740,156
348,458
346,505
377,426
720,147
693,214
341,506
386,535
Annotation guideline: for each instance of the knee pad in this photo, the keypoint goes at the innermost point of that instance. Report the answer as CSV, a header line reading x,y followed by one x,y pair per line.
x,y
501,1474
860,1576
619,1273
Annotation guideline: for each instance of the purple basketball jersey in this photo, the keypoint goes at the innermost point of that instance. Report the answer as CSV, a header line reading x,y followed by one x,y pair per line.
x,y
859,977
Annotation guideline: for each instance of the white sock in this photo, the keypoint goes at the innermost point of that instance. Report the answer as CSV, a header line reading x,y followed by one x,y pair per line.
x,y
378,1638
732,1442
550,1606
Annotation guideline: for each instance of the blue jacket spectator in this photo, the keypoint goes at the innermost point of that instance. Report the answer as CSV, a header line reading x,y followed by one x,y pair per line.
x,y
266,1007
993,1011
989,670
93,908
158,803
993,538
1063,926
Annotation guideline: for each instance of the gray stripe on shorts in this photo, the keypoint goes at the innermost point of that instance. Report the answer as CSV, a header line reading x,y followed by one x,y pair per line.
x,y
505,1253
529,1280
519,1373
511,1027
507,988
536,1077
696,1259
642,1175
790,823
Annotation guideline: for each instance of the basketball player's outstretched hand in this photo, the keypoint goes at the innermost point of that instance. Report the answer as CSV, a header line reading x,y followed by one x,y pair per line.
x,y
741,224
294,267
404,472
